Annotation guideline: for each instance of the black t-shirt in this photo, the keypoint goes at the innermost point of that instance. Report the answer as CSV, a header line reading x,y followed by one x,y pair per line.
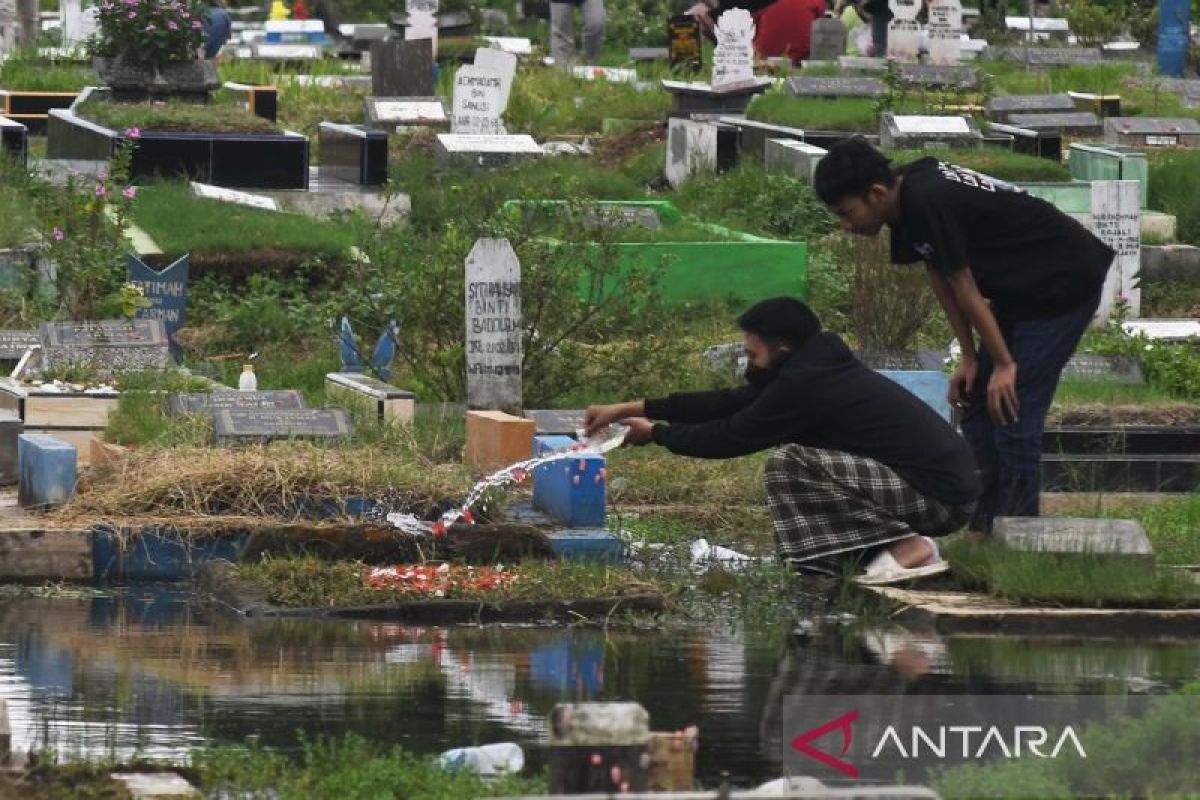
x,y
822,396
1027,257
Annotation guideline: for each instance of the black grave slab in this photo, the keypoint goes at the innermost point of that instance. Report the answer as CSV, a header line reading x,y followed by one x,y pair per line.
x,y
14,140
1040,57
109,346
1092,366
1139,440
263,101
31,108
942,77
234,425
204,402
1043,144
352,153
1120,473
402,68
1075,123
235,160
999,108
556,422
803,86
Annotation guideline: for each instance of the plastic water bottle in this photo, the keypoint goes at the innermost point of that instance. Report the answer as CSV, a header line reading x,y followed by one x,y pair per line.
x,y
486,761
247,381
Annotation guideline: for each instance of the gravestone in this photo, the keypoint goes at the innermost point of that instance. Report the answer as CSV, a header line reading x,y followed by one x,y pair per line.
x,y
940,76
204,402
608,215
684,50
921,360
407,111
904,32
166,289
1116,220
828,39
751,136
1038,27
999,108
1095,367
14,344
422,23
402,68
556,422
493,327
649,54
477,105
246,425
790,157
1043,144
1074,123
1105,105
1174,36
1164,330
1152,131
945,32
917,132
696,98
1039,57
802,86
733,58
691,148
472,150
108,346
206,191
1075,536
503,64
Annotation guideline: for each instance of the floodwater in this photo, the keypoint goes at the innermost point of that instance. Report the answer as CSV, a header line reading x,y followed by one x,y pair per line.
x,y
144,669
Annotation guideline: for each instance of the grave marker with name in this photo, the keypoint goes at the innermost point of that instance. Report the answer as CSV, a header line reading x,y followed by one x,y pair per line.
x,y
484,151
207,191
684,50
407,110
503,64
1094,367
828,39
945,31
1152,131
904,33
919,131
493,329
204,402
166,289
108,346
234,425
14,344
478,102
1116,220
999,108
802,86
1052,56
940,76
733,58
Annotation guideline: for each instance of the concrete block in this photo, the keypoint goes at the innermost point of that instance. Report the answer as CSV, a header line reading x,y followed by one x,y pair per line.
x,y
572,490
496,440
45,555
797,159
47,470
588,544
587,724
386,402
931,387
1170,262
1075,535
11,427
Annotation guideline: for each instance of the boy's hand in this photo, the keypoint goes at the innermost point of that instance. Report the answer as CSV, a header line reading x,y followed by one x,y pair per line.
x,y
640,431
1002,394
962,382
599,417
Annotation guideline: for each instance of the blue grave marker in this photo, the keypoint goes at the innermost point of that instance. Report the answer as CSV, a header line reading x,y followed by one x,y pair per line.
x,y
167,292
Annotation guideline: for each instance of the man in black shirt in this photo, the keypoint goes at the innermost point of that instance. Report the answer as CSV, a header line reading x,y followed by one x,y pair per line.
x,y
1004,264
861,466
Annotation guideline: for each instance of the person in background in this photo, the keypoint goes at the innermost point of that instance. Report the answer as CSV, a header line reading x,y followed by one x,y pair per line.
x,y
218,27
782,27
324,11
1003,264
877,14
562,30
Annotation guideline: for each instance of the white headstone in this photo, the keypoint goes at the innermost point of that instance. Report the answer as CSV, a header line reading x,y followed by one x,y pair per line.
x,y
517,45
610,74
1116,219
478,101
945,31
733,58
493,335
503,64
422,21
209,192
916,123
691,148
904,33
8,26
1167,330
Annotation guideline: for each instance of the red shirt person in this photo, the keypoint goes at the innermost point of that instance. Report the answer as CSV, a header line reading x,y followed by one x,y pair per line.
x,y
782,27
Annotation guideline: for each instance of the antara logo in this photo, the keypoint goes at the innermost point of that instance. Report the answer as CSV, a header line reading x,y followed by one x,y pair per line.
x,y
845,724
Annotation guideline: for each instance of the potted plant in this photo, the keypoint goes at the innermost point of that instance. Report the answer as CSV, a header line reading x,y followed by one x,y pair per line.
x,y
147,49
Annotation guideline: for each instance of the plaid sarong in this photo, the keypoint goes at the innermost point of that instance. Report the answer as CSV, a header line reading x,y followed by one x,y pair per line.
x,y
827,505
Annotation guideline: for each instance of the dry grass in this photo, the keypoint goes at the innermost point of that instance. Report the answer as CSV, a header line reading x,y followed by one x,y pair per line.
x,y
205,488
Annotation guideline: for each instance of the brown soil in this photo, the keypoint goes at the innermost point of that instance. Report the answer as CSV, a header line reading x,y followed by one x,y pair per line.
x,y
616,151
1097,414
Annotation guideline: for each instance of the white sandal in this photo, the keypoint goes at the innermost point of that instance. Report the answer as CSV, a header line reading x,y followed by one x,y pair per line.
x,y
884,569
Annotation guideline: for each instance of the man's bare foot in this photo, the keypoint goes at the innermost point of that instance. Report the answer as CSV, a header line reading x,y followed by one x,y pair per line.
x,y
915,551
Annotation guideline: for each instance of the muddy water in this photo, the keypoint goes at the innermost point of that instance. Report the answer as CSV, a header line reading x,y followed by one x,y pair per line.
x,y
144,669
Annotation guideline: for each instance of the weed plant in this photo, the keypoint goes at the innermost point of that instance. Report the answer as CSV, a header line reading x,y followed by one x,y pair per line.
x,y
994,162
176,116
1173,190
17,222
30,75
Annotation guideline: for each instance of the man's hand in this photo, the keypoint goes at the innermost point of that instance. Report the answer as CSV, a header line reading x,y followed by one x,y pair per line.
x,y
962,382
599,417
703,13
1002,394
640,431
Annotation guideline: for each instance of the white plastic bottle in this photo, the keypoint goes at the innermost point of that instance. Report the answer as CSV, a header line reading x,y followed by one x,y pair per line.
x,y
248,381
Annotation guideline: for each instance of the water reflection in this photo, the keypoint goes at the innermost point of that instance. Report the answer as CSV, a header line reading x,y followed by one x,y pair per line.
x,y
144,670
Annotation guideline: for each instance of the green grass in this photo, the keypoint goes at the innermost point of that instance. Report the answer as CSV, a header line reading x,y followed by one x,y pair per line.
x,y
994,162
213,118
180,223
1173,190
1011,78
1171,299
17,222
851,114
1172,524
1086,580
748,198
1085,392
33,76
550,102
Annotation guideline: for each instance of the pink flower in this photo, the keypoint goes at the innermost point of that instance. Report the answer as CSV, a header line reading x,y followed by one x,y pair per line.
x,y
132,14
133,133
129,192
196,25
171,26
100,190
150,27
58,234
102,175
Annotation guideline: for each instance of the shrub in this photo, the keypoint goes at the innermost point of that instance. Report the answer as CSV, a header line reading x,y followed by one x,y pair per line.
x,y
149,30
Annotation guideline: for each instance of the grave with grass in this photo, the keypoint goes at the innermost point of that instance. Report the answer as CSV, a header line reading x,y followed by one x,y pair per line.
x,y
733,83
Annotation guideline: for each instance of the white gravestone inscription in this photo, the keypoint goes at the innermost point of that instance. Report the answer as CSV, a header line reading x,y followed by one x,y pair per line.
x,y
733,58
904,33
691,148
493,335
945,32
478,97
503,64
422,21
1116,219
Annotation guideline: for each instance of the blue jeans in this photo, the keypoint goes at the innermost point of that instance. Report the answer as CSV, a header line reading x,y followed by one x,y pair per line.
x,y
1010,456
